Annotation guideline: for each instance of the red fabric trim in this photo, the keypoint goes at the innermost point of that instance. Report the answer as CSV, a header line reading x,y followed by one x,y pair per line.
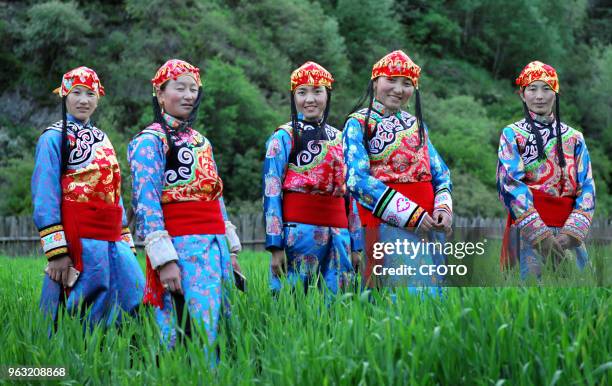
x,y
180,219
314,209
554,211
87,220
154,290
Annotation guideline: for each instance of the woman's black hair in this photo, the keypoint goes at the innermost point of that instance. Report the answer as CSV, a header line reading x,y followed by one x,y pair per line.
x,y
535,131
419,116
65,148
297,133
369,96
298,146
559,138
366,128
327,106
158,117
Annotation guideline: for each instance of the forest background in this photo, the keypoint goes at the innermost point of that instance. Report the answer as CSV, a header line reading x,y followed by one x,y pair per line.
x,y
470,52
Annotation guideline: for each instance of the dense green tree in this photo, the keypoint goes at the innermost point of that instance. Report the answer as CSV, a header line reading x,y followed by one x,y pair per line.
x,y
465,136
370,29
53,32
238,143
470,53
15,186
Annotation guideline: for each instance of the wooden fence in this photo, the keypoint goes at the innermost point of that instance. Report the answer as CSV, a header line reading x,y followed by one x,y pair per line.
x,y
19,236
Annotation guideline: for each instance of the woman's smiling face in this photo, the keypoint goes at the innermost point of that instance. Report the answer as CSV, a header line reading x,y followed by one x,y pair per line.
x,y
393,92
310,101
81,103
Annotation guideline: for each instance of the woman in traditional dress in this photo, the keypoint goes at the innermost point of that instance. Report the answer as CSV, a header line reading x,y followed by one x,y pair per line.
x,y
311,225
76,192
544,178
397,176
180,214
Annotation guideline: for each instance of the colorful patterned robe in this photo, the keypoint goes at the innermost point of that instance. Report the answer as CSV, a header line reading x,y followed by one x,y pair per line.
x,y
394,157
317,169
519,171
111,280
188,175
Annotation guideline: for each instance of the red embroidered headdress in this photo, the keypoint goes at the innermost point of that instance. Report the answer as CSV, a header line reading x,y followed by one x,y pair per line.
x,y
311,74
397,63
80,76
174,68
538,71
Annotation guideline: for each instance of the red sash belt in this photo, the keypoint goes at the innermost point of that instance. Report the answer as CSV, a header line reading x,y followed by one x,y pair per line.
x,y
554,211
315,209
180,219
422,193
86,220
194,218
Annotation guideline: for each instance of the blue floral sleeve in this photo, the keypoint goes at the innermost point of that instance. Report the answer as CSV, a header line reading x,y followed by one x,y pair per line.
x,y
579,221
47,195
147,159
354,223
45,187
278,148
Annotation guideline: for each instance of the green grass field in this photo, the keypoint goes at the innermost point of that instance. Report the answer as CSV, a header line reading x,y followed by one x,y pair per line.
x,y
474,336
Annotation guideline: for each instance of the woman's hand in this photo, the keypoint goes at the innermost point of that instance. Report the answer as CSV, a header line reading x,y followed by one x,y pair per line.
x,y
427,224
170,277
235,265
567,241
356,260
58,269
444,221
279,262
550,247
